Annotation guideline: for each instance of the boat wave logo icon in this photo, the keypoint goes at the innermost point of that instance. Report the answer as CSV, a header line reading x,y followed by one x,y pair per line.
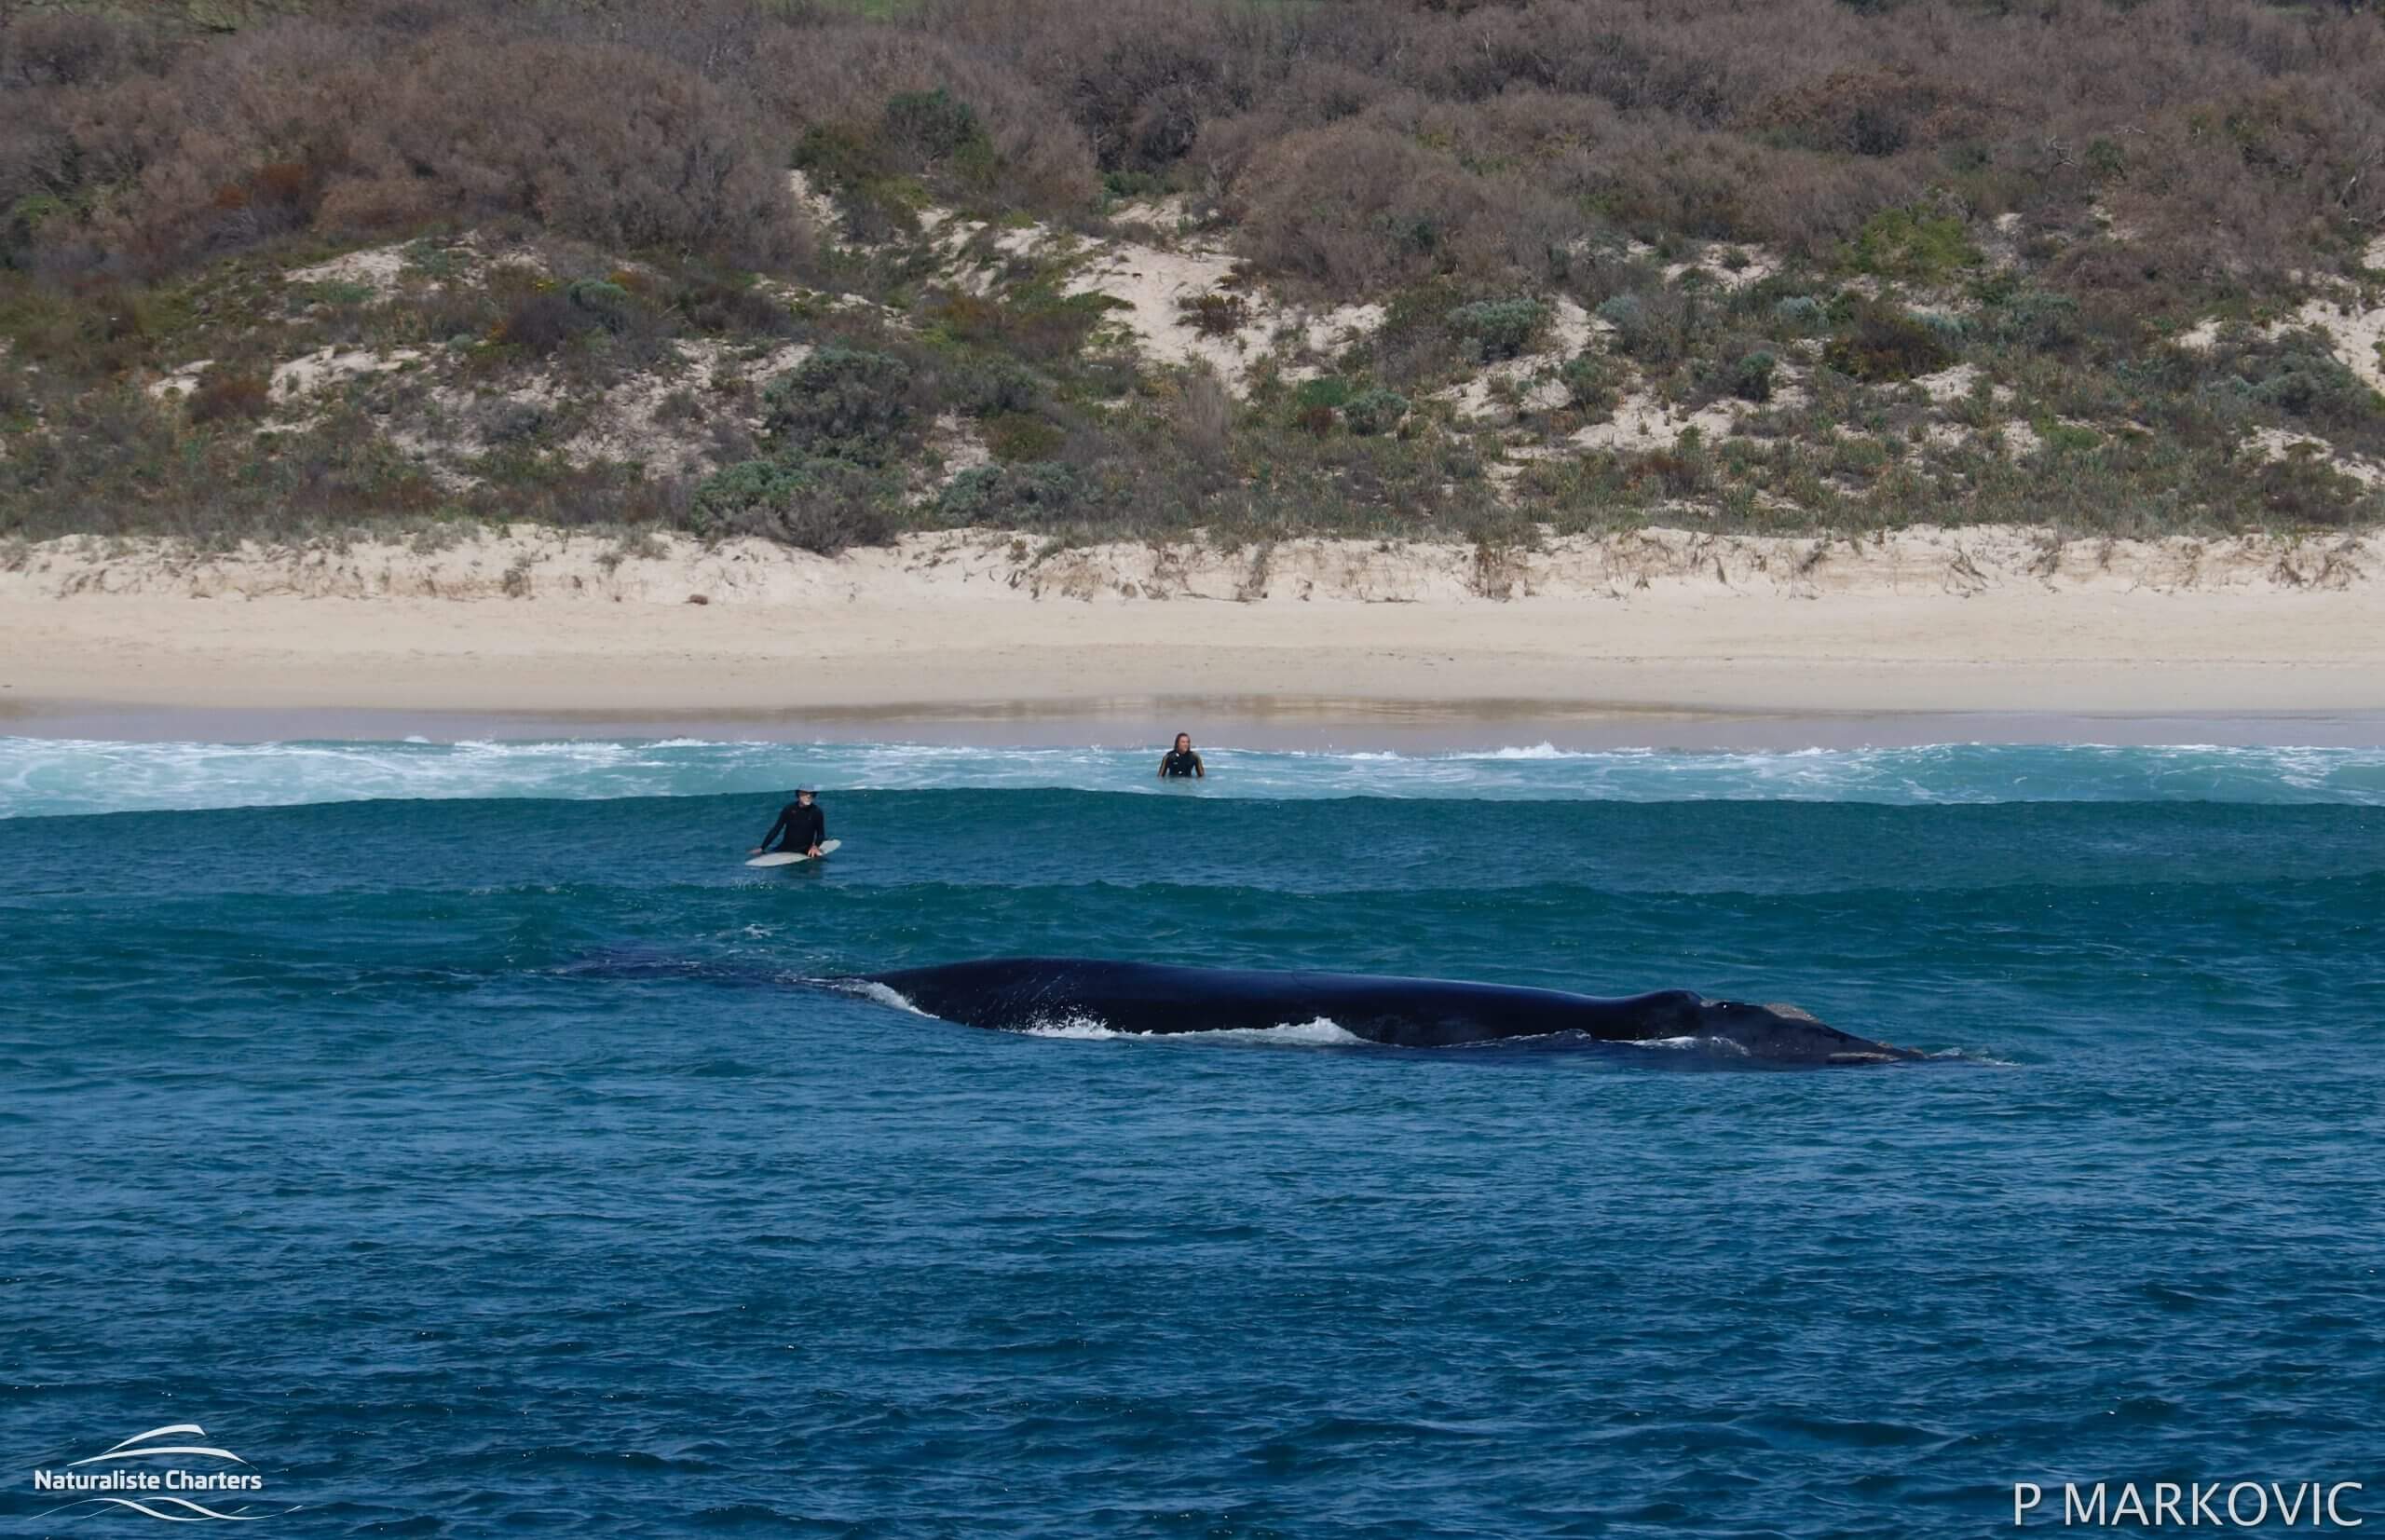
x,y
169,1473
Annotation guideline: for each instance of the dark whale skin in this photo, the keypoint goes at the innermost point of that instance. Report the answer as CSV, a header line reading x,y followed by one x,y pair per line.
x,y
1015,993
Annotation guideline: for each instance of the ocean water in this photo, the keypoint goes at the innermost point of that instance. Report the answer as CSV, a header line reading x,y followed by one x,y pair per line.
x,y
447,1130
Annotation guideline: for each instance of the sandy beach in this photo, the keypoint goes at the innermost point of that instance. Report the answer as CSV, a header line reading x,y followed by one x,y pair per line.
x,y
988,625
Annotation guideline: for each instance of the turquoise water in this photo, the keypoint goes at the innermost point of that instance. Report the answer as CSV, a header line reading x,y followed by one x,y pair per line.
x,y
444,1129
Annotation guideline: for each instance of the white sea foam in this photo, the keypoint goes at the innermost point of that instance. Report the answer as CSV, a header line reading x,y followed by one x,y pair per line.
x,y
1322,1032
1080,1028
1693,1044
42,776
869,988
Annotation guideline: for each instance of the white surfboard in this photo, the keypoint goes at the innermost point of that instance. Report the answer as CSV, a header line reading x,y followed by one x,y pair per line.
x,y
788,858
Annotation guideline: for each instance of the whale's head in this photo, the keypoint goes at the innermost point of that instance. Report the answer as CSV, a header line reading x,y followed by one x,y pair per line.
x,y
1789,1034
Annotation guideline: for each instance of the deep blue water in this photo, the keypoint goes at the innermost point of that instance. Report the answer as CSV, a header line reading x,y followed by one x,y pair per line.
x,y
468,1158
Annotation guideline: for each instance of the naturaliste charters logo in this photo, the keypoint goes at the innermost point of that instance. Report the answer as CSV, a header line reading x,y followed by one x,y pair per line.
x,y
133,1474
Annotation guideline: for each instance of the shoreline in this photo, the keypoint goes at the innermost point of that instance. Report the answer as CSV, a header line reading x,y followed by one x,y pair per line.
x,y
977,638
1288,726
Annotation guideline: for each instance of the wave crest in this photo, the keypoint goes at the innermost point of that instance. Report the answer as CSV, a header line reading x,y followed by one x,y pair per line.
x,y
42,776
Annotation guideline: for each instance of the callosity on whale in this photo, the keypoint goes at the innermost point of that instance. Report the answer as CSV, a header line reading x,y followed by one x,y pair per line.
x,y
1410,1013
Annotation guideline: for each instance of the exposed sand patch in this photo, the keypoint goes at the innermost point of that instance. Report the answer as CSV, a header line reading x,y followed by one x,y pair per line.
x,y
1530,379
955,442
386,269
647,422
378,267
1728,264
2357,336
814,204
1153,286
1949,385
2276,444
182,382
1642,423
311,371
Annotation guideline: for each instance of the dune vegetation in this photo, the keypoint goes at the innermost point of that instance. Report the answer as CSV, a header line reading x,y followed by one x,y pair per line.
x,y
1476,269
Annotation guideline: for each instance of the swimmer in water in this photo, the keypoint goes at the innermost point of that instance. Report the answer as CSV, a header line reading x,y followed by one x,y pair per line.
x,y
1181,761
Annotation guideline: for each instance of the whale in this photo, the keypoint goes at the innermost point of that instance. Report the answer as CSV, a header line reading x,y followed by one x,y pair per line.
x,y
1016,994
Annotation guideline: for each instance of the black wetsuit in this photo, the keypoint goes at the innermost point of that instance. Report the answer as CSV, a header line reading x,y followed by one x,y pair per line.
x,y
1180,762
805,827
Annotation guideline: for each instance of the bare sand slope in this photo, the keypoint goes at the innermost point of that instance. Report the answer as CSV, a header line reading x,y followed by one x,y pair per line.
x,y
1975,620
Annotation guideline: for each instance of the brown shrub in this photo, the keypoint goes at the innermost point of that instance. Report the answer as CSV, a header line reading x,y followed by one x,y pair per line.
x,y
374,205
837,81
1678,475
1204,417
49,47
223,395
543,324
1872,112
2237,137
1882,343
301,124
1216,315
1140,78
1358,207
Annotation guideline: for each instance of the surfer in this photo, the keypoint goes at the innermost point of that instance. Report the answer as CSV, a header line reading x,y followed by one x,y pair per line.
x,y
803,824
1181,761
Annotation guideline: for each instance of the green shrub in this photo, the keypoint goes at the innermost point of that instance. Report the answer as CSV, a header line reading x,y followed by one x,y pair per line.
x,y
1659,327
1126,186
2300,375
728,305
1882,343
1022,436
1373,410
512,423
341,293
820,505
933,126
609,304
1327,391
846,401
2031,318
833,154
1591,383
752,484
991,386
1038,492
1907,243
2303,491
2064,438
1802,313
1751,377
1039,325
1499,328
1953,331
